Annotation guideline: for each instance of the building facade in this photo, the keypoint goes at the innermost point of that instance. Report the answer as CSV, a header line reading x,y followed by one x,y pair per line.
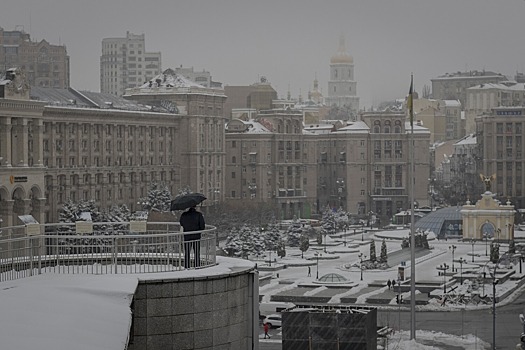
x,y
500,137
453,86
360,166
258,96
50,153
481,99
271,160
342,87
124,63
44,64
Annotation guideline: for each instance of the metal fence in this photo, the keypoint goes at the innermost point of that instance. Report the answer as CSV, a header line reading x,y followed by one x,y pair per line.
x,y
101,248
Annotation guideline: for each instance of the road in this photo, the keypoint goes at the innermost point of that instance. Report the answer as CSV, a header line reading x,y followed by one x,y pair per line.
x,y
475,322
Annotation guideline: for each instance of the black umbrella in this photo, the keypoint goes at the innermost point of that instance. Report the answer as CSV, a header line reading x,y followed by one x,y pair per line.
x,y
186,201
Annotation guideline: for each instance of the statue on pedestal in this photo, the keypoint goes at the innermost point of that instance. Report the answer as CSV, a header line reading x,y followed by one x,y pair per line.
x,y
487,180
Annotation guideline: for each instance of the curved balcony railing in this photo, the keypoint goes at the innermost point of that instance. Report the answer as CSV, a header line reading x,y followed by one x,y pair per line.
x,y
101,248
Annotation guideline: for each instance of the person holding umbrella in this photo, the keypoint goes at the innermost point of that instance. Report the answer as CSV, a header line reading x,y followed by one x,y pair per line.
x,y
192,220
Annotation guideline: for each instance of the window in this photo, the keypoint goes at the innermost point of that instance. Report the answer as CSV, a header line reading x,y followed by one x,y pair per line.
x,y
233,174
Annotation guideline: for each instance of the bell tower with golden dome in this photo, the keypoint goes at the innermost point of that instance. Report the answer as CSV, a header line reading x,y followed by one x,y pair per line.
x,y
342,88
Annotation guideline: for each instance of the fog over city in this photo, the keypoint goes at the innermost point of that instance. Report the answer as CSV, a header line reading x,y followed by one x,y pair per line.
x,y
288,42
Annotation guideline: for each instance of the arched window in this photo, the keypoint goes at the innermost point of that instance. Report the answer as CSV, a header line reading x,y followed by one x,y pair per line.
x,y
377,127
387,126
397,127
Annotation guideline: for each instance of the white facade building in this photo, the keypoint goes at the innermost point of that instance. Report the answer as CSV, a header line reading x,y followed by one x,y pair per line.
x,y
126,64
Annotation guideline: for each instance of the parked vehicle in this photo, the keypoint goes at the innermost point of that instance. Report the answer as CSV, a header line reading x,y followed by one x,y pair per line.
x,y
273,320
273,307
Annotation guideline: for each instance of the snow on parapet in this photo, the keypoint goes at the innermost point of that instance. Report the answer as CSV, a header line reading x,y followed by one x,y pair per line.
x,y
170,79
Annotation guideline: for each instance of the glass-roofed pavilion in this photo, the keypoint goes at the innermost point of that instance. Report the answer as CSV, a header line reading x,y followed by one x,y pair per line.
x,y
444,222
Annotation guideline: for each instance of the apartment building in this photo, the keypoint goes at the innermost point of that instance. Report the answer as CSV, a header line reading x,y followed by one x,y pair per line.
x,y
270,159
500,136
43,64
453,86
481,99
125,63
360,166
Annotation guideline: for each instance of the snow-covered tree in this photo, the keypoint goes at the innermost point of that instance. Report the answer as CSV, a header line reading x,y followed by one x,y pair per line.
x,y
294,233
272,236
71,211
383,258
304,244
341,218
184,190
373,251
158,198
232,245
244,242
328,225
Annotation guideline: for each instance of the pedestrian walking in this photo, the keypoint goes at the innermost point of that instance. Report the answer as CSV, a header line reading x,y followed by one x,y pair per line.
x,y
389,284
393,284
309,272
192,220
266,328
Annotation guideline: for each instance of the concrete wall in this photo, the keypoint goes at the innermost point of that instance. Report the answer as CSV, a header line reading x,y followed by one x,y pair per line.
x,y
203,312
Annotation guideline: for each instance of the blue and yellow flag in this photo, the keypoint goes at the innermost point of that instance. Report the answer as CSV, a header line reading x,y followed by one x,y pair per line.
x,y
410,101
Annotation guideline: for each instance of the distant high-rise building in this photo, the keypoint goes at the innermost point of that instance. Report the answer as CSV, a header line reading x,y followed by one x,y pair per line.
x,y
126,64
43,64
342,88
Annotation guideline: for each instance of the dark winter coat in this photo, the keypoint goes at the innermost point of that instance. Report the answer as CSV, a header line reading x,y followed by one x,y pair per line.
x,y
192,220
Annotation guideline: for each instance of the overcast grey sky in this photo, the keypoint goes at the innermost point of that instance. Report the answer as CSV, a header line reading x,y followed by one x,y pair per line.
x,y
289,41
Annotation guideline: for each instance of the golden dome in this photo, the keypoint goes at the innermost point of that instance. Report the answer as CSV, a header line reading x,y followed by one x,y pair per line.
x,y
342,56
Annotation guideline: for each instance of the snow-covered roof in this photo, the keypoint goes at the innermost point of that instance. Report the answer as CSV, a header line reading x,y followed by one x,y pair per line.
x,y
170,79
250,126
499,86
452,103
357,127
418,129
467,140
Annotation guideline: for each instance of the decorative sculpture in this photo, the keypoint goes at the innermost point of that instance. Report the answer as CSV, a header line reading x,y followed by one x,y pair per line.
x,y
487,180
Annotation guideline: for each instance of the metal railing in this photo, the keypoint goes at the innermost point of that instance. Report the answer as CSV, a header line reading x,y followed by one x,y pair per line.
x,y
107,248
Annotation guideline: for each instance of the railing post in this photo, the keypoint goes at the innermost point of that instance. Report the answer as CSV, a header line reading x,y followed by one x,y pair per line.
x,y
115,252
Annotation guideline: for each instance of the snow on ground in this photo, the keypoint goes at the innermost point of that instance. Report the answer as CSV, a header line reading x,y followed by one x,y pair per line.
x,y
401,340
59,312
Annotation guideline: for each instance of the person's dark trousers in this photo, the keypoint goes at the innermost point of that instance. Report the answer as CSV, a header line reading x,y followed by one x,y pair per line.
x,y
188,245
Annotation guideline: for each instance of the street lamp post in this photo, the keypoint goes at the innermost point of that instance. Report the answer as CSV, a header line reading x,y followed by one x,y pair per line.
x,y
444,267
317,273
361,257
453,248
498,231
494,282
472,241
486,237
461,261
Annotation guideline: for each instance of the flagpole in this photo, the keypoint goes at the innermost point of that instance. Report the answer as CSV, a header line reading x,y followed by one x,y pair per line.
x,y
412,220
